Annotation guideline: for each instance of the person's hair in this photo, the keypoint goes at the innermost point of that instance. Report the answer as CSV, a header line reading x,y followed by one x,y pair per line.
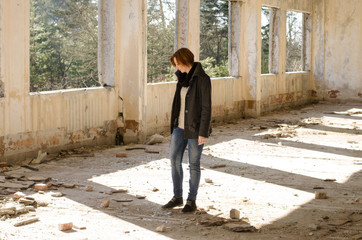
x,y
184,56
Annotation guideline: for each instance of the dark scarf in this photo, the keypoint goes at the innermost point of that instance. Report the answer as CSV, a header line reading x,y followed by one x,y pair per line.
x,y
183,80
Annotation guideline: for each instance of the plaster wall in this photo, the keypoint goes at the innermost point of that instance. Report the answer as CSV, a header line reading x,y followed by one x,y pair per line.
x,y
343,50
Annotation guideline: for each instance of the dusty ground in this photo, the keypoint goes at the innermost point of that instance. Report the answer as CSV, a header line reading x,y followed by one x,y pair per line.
x,y
267,168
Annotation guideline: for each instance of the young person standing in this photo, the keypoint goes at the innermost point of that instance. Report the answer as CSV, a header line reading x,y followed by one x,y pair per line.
x,y
190,125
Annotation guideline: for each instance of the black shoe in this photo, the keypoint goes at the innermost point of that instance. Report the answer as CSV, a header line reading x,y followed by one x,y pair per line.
x,y
190,206
174,202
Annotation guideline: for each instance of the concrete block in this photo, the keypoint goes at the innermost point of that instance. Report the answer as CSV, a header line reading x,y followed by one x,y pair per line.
x,y
41,186
234,214
65,226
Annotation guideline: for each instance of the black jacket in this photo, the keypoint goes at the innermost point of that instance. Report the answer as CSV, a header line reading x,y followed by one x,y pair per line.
x,y
197,105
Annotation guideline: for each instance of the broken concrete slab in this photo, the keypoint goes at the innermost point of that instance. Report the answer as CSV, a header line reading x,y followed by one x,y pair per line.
x,y
119,191
57,194
42,203
68,185
29,167
239,227
26,201
83,155
140,196
80,227
25,222
213,222
329,180
11,185
37,178
26,184
151,151
7,211
156,138
218,166
122,200
41,157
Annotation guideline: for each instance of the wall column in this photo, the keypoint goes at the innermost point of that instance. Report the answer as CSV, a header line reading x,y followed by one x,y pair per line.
x,y
106,40
235,38
130,65
251,67
14,75
188,26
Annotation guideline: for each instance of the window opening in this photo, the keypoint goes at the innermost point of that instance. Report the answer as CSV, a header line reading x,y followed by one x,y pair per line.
x,y
63,44
265,39
161,16
294,31
214,37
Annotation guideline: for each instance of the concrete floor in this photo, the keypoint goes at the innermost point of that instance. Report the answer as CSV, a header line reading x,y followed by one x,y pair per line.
x,y
268,168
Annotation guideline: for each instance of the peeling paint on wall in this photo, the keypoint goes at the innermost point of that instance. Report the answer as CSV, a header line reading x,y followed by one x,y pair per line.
x,y
2,146
132,125
312,93
220,112
333,93
251,104
182,24
2,91
28,142
343,40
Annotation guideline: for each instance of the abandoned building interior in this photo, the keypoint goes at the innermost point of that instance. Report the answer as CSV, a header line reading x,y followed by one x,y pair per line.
x,y
61,120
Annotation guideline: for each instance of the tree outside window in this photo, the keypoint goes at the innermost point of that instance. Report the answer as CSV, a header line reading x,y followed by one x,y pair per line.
x,y
63,44
265,38
214,37
294,31
160,39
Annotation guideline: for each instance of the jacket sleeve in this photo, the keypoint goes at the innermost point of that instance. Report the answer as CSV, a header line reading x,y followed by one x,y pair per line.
x,y
205,98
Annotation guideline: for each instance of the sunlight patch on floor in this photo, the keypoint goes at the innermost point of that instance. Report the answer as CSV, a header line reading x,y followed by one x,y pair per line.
x,y
242,193
98,222
304,162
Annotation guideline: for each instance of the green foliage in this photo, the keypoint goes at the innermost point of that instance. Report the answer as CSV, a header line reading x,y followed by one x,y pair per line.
x,y
63,44
213,70
161,35
160,40
214,36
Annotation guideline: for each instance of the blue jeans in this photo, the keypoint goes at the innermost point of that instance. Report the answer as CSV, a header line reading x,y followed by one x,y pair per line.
x,y
178,146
